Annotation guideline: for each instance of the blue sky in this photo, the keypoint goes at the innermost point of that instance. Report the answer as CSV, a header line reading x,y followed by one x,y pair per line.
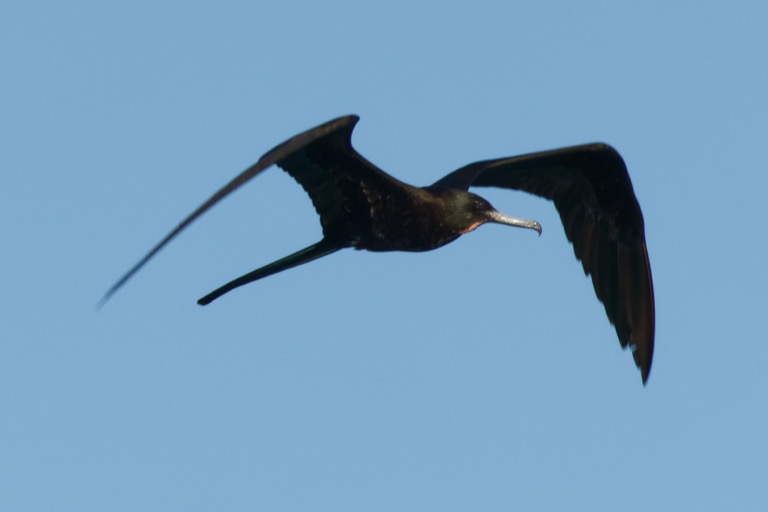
x,y
483,376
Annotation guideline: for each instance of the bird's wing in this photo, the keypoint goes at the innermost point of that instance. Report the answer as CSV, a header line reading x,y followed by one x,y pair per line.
x,y
342,184
593,194
331,140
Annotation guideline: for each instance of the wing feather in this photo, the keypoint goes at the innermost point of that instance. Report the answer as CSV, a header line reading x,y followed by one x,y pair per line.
x,y
338,131
593,194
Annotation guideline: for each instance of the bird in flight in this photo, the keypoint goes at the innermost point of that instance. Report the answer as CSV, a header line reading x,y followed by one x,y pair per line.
x,y
363,207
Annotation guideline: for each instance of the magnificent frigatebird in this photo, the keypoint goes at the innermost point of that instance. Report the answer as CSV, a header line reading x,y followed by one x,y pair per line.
x,y
363,207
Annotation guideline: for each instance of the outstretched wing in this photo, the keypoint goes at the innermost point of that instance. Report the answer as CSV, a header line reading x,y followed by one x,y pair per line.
x,y
593,194
308,157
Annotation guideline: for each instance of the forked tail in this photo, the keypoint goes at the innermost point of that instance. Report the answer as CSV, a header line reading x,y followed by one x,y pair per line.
x,y
313,252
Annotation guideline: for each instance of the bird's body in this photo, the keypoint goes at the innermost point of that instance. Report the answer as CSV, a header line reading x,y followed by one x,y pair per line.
x,y
363,207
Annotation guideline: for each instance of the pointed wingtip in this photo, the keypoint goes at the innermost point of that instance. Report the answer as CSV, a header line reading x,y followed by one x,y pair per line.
x,y
100,304
645,372
643,363
108,295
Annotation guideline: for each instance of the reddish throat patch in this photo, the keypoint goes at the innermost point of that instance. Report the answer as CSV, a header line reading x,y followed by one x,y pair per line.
x,y
472,227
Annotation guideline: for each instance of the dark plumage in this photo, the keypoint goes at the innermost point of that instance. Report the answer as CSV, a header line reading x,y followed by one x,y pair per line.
x,y
361,206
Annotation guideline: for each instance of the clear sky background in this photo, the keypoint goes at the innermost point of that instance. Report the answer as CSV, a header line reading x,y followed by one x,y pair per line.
x,y
482,376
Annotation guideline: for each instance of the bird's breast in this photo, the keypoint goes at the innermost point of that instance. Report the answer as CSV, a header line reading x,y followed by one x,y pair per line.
x,y
399,221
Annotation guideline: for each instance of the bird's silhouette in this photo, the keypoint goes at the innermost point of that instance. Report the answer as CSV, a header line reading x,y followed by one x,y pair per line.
x,y
363,207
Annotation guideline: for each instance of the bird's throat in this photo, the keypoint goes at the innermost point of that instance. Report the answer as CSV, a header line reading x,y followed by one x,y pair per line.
x,y
472,227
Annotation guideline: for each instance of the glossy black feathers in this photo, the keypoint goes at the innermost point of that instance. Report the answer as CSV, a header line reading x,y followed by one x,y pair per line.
x,y
593,194
361,206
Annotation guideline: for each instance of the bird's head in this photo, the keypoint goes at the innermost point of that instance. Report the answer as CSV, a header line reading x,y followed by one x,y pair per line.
x,y
469,211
